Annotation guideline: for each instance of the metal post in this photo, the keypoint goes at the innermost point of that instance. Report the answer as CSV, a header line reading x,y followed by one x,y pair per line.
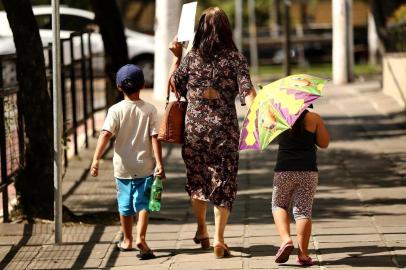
x,y
238,24
64,118
56,75
84,88
73,95
286,43
253,36
3,152
91,79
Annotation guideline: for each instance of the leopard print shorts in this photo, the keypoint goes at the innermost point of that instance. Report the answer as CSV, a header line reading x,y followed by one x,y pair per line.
x,y
294,189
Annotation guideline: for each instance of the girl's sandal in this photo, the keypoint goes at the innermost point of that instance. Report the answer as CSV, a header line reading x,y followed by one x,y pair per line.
x,y
221,251
305,262
204,242
284,252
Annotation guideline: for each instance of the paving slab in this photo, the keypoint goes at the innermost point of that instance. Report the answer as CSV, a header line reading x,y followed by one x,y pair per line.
x,y
72,254
213,264
65,264
347,238
141,267
127,260
15,265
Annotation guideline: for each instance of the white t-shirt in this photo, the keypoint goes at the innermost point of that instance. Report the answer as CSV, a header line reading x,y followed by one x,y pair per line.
x,y
133,123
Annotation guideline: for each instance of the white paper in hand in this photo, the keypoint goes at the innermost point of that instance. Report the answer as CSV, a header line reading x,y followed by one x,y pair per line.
x,y
187,22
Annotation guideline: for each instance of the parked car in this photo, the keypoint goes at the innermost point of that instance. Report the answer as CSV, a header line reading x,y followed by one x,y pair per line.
x,y
140,46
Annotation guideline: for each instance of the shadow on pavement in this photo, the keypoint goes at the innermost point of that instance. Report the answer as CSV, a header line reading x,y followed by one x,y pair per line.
x,y
26,235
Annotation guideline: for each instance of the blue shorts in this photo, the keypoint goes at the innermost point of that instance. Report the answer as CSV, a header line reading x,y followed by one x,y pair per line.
x,y
133,194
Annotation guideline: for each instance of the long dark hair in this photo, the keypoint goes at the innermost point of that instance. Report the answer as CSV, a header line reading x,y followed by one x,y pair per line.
x,y
213,33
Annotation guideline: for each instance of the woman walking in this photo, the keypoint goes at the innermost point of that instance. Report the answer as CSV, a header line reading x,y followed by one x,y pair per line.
x,y
211,76
295,183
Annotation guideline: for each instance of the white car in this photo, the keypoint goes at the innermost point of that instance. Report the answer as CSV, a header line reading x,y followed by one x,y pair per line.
x,y
140,46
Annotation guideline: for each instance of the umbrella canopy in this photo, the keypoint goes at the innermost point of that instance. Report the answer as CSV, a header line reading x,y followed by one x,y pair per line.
x,y
276,108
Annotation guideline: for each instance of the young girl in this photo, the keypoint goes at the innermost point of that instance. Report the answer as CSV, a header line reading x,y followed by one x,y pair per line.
x,y
295,183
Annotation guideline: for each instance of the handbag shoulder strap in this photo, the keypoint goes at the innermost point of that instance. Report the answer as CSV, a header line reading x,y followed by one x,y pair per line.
x,y
168,90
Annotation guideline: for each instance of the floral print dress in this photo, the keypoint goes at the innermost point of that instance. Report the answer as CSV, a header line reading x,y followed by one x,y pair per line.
x,y
210,151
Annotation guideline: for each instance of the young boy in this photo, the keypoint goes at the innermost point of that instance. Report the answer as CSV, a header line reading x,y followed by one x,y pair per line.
x,y
136,152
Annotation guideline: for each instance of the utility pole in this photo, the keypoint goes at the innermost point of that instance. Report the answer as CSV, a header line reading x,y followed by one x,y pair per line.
x,y
238,24
286,41
167,15
253,36
343,48
57,119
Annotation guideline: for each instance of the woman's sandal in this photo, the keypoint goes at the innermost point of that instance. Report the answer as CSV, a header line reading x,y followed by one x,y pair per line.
x,y
145,253
204,242
221,251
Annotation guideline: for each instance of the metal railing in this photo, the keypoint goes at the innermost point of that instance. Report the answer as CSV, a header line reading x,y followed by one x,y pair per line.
x,y
78,105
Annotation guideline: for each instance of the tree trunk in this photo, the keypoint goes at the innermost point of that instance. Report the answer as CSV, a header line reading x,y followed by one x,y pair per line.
x,y
108,18
35,182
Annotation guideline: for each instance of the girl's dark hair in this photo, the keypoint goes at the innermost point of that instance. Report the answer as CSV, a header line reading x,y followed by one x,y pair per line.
x,y
213,33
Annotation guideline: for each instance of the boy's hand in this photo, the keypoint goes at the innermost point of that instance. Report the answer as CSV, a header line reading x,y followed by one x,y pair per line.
x,y
94,168
159,171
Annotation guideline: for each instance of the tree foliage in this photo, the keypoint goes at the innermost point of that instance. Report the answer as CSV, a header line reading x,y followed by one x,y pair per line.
x,y
399,15
382,10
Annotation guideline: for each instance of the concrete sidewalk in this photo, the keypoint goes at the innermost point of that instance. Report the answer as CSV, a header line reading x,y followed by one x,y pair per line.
x,y
359,210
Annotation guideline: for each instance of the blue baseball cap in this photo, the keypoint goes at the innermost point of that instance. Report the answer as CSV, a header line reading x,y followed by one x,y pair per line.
x,y
131,73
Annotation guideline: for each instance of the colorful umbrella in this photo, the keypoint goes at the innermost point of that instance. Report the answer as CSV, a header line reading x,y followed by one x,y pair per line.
x,y
276,108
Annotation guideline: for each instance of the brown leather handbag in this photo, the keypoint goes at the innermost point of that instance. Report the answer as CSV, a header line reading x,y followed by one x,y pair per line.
x,y
171,129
